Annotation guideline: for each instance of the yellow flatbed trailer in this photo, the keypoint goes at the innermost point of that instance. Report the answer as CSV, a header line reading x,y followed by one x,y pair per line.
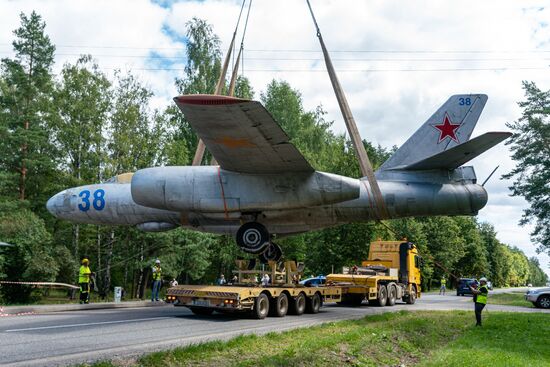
x,y
260,301
282,295
391,272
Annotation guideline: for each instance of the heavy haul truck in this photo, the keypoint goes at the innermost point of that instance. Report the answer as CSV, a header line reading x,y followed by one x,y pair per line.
x,y
391,272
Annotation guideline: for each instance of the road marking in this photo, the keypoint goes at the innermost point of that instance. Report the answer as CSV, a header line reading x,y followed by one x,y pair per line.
x,y
86,324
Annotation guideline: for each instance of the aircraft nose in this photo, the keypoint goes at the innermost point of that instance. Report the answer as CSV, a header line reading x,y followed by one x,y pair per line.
x,y
50,205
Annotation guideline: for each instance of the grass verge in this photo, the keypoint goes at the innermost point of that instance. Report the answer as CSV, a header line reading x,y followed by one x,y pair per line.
x,y
391,339
509,299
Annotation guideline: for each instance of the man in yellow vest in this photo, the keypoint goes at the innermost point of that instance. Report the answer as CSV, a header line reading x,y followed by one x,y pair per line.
x,y
84,281
157,281
442,289
480,298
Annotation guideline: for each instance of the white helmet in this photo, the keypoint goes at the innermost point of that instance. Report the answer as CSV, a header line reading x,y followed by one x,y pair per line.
x,y
483,280
157,261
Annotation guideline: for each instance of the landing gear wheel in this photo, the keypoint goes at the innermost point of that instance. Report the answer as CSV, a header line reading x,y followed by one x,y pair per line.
x,y
298,305
392,294
411,299
201,311
313,304
253,237
261,307
273,253
279,306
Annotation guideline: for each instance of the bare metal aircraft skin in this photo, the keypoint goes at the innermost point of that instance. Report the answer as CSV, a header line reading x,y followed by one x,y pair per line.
x,y
263,187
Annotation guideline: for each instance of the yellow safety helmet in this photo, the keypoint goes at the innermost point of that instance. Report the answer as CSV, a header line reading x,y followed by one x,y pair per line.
x,y
85,261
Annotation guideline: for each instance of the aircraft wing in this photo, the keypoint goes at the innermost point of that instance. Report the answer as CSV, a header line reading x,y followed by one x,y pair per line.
x,y
458,155
241,134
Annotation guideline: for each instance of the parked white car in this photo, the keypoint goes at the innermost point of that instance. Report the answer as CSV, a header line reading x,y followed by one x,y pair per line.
x,y
539,297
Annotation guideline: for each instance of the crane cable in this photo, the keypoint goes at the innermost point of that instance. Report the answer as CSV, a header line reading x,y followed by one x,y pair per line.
x,y
241,49
199,152
380,210
233,81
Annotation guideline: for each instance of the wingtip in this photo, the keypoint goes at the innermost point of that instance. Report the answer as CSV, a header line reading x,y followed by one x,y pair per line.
x,y
207,99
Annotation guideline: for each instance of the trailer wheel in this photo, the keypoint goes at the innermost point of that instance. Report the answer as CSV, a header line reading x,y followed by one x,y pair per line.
x,y
298,305
382,298
201,311
392,294
279,306
261,307
411,299
313,304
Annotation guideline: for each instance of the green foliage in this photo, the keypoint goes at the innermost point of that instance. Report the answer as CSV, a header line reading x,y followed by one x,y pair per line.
x,y
32,258
530,145
83,102
26,155
203,59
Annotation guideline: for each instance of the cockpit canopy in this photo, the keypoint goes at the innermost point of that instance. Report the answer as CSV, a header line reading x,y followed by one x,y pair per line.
x,y
123,178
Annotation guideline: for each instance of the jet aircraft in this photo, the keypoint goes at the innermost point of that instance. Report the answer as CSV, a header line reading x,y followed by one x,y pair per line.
x,y
264,188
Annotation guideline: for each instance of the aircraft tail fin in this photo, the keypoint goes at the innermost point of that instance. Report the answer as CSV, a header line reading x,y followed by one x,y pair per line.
x,y
450,126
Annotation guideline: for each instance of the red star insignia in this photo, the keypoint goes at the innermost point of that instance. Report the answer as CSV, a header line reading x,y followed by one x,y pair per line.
x,y
447,128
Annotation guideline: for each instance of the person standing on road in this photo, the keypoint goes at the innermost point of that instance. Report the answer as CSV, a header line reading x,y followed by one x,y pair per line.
x,y
157,281
442,289
84,275
480,298
222,280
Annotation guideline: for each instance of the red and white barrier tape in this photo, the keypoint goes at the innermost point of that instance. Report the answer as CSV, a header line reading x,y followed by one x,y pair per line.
x,y
2,314
51,284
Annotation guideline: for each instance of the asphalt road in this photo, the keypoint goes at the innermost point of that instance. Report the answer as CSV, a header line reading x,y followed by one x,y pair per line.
x,y
84,336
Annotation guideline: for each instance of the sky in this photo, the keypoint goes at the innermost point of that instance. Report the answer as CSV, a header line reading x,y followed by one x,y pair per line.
x,y
397,61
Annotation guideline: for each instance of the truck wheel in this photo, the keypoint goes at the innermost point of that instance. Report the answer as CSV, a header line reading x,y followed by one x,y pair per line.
x,y
279,306
411,299
313,304
392,294
543,302
382,297
298,305
261,307
201,311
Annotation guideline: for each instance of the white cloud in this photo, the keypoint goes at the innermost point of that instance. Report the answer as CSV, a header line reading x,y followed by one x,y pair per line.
x,y
388,105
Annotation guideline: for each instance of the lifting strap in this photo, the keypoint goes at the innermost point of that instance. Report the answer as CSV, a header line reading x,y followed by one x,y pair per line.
x,y
364,163
199,152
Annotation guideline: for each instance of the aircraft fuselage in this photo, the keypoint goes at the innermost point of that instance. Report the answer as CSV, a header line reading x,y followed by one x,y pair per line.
x,y
210,199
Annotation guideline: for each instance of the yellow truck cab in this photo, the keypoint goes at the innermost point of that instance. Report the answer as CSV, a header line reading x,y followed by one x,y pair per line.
x,y
391,272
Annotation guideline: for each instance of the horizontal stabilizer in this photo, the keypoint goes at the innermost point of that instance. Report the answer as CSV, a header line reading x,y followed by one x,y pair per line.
x,y
458,155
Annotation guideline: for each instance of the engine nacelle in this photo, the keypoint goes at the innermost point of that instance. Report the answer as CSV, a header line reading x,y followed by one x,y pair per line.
x,y
210,189
155,226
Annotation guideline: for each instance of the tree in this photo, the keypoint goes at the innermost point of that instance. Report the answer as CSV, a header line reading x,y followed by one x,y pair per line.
x,y
25,151
537,277
82,101
32,258
530,145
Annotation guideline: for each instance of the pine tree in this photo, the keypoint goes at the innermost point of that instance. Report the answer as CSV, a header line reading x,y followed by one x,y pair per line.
x,y
25,150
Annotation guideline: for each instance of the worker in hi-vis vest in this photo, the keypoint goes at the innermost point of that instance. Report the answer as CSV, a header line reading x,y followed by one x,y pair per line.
x,y
157,281
480,298
443,284
84,281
